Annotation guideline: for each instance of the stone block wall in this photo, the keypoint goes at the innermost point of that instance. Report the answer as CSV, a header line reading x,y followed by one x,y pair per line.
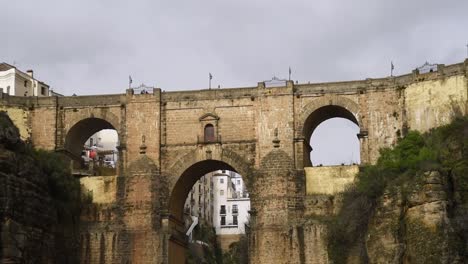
x,y
329,179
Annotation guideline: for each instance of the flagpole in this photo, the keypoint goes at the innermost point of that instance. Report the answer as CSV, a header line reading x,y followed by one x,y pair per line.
x,y
289,73
210,77
391,68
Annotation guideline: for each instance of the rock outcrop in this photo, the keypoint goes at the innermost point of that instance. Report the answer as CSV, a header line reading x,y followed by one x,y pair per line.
x,y
419,222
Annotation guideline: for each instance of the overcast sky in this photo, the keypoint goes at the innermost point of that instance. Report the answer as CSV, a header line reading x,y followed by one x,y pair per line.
x,y
92,46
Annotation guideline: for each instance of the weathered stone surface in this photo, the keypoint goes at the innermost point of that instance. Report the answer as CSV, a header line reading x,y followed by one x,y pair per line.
x,y
420,229
329,179
384,243
260,132
26,216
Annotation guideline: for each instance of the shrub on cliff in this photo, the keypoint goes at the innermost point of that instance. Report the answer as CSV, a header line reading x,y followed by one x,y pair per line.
x,y
64,189
444,149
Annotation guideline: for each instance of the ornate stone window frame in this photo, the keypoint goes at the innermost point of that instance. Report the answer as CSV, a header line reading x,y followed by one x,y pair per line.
x,y
206,119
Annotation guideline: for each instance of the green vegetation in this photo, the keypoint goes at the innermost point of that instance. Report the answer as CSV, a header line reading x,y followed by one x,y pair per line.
x,y
238,252
208,251
444,149
64,189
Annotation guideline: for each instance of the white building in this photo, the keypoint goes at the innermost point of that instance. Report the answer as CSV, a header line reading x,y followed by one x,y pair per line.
x,y
17,83
219,199
199,202
231,203
230,207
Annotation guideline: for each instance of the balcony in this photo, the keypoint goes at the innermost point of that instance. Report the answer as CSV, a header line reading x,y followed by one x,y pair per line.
x,y
203,140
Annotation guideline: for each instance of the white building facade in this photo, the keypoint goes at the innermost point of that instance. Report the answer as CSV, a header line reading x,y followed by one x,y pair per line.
x,y
231,205
17,83
219,199
199,201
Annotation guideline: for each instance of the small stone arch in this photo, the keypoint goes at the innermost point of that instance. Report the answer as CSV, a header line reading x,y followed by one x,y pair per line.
x,y
77,135
319,110
103,114
328,100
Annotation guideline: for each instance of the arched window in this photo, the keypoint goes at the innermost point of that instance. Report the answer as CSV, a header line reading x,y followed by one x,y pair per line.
x,y
209,133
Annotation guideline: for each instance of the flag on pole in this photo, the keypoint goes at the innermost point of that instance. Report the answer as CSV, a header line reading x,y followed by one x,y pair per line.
x,y
211,76
130,79
391,65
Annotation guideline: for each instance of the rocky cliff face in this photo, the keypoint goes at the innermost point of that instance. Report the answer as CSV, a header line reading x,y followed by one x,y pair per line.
x,y
425,225
411,206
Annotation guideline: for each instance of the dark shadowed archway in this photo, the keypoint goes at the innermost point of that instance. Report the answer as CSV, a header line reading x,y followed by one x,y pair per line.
x,y
178,240
187,180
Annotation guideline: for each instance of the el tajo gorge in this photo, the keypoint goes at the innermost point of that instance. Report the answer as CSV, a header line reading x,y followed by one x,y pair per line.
x,y
260,132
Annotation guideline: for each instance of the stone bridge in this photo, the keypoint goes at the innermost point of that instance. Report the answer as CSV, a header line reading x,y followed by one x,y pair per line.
x,y
168,140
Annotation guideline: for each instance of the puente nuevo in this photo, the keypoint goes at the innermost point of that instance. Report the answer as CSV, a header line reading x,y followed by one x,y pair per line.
x,y
261,132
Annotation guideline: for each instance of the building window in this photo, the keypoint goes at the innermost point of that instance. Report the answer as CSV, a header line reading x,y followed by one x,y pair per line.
x,y
221,192
223,220
238,182
8,89
43,90
234,220
209,133
25,83
223,209
221,180
235,210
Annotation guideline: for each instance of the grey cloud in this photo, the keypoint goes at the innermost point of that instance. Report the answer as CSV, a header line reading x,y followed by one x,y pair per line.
x,y
90,47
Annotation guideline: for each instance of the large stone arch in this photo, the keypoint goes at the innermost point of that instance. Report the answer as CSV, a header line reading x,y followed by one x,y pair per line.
x,y
191,162
239,164
183,174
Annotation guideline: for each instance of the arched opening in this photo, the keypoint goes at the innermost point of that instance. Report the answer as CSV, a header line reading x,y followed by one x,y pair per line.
x,y
92,145
209,133
330,134
209,202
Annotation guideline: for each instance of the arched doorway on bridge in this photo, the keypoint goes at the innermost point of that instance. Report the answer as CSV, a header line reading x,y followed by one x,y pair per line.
x,y
330,134
209,207
92,145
